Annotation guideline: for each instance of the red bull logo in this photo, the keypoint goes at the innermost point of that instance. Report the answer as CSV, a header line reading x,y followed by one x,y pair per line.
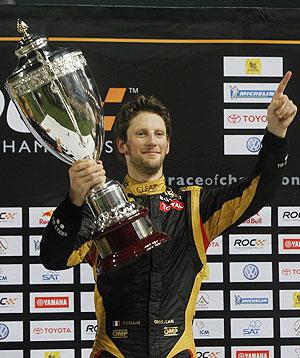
x,y
47,213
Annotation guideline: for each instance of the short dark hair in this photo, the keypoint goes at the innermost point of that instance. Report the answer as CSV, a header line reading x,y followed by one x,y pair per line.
x,y
132,108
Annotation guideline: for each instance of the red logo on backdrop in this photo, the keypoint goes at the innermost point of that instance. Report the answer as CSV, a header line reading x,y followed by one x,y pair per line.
x,y
38,330
291,244
174,204
234,118
252,354
291,271
47,213
51,302
255,219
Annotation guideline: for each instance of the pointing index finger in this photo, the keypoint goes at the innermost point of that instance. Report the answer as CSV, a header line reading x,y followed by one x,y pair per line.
x,y
283,83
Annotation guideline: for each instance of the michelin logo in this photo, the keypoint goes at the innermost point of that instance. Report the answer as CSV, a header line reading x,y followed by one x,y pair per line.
x,y
249,92
236,93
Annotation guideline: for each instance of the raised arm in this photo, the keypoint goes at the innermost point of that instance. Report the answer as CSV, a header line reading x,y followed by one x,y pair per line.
x,y
281,111
225,207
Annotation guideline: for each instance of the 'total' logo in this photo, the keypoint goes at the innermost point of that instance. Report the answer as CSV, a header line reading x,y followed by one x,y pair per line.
x,y
174,204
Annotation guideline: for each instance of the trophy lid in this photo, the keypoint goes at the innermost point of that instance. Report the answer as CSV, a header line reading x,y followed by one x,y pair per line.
x,y
29,42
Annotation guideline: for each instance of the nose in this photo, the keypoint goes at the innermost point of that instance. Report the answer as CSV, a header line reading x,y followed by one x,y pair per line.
x,y
151,139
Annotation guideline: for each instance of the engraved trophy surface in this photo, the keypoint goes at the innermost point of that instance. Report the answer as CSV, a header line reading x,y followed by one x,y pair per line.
x,y
59,102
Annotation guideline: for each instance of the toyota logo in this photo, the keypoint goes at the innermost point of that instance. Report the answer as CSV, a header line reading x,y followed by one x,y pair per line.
x,y
38,330
234,118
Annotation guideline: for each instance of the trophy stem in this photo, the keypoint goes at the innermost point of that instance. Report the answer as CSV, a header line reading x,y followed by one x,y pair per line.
x,y
110,204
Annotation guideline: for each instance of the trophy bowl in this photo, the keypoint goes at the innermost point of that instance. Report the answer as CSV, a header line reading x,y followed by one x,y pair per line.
x,y
58,100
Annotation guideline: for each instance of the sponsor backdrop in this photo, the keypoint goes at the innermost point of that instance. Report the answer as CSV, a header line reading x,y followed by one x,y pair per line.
x,y
217,70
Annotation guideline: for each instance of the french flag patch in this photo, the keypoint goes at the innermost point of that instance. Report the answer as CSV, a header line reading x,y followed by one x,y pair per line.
x,y
116,323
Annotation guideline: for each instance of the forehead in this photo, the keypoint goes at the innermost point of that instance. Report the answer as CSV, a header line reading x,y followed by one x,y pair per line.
x,y
147,120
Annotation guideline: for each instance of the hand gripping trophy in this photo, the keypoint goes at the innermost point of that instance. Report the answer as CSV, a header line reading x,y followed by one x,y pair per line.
x,y
59,102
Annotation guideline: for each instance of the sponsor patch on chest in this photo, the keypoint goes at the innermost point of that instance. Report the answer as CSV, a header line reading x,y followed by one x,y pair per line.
x,y
171,205
170,331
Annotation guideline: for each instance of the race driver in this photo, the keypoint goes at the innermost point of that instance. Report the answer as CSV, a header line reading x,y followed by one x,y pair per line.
x,y
145,308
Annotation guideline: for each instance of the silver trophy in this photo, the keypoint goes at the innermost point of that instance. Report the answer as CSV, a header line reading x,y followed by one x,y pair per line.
x,y
59,102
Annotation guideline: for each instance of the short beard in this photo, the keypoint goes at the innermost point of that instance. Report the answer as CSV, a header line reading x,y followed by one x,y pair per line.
x,y
143,166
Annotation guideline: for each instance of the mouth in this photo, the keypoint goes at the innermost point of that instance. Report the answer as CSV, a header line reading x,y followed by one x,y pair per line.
x,y
151,153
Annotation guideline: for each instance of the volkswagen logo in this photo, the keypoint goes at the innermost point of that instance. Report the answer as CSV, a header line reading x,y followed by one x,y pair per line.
x,y
251,272
4,331
253,144
3,244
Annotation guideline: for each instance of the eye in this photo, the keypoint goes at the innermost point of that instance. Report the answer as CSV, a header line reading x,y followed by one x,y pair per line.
x,y
159,133
140,133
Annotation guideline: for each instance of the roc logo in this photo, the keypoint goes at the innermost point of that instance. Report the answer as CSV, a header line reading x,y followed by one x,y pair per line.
x,y
114,95
120,333
253,66
51,354
170,331
7,216
296,299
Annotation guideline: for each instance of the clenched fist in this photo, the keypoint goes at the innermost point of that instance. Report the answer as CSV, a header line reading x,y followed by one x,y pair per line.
x,y
84,174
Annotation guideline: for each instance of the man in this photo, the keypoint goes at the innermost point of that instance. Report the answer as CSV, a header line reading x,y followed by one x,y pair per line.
x,y
145,308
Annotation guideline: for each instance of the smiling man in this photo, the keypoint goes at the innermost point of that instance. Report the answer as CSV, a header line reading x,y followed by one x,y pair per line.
x,y
145,308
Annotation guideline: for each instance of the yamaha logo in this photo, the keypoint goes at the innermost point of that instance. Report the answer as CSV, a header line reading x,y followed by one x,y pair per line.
x,y
252,354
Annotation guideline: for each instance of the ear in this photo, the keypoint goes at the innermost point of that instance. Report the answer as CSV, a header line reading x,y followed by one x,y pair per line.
x,y
168,147
121,145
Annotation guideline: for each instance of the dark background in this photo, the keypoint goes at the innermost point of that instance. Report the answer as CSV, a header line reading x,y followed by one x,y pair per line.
x,y
189,79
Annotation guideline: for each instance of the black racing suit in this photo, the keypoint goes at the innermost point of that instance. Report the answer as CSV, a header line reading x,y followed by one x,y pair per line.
x,y
146,307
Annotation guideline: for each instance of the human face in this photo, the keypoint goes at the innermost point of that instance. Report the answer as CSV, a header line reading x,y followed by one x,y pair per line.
x,y
146,146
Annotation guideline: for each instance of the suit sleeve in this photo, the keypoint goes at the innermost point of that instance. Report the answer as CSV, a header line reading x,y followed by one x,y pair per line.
x,y
225,207
66,238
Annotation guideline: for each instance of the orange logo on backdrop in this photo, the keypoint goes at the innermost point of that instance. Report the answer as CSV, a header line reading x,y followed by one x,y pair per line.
x,y
114,95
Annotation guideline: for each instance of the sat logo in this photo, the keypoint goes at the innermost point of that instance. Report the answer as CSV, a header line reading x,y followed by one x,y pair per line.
x,y
253,329
51,276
